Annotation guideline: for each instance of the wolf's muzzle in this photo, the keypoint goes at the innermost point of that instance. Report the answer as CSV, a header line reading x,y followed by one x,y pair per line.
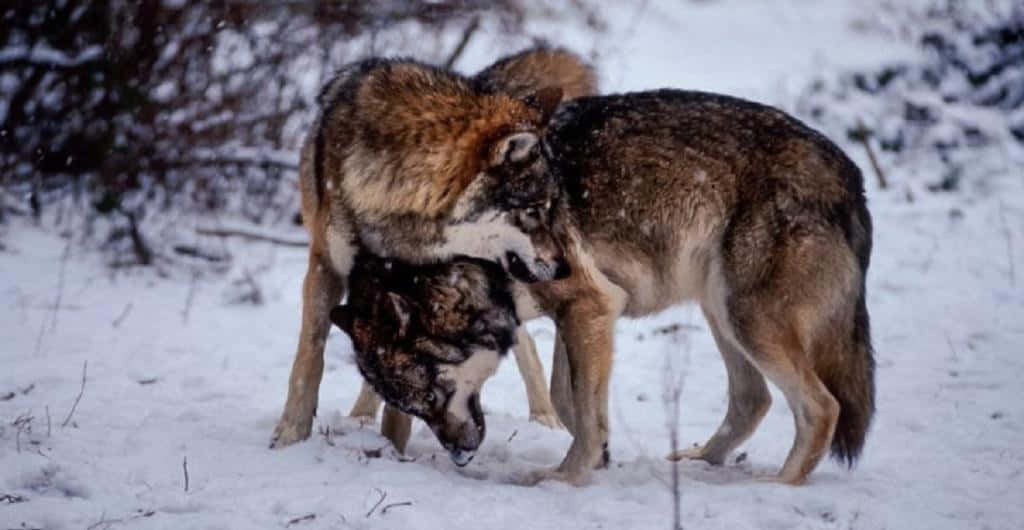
x,y
461,457
545,272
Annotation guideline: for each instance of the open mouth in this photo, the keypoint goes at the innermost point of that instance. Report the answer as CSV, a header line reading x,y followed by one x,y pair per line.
x,y
518,269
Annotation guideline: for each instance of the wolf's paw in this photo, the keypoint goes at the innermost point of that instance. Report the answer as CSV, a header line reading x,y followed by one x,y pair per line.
x,y
535,477
690,453
547,419
697,452
289,432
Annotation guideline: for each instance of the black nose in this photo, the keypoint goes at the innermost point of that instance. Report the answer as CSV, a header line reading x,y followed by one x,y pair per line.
x,y
562,270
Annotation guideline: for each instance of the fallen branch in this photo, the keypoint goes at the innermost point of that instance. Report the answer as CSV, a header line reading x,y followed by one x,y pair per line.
x,y
85,367
252,236
383,495
307,517
385,509
140,514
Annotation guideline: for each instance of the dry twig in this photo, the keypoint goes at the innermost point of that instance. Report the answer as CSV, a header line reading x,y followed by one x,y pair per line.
x,y
124,314
385,509
862,135
56,303
252,236
85,368
461,46
383,495
184,468
307,517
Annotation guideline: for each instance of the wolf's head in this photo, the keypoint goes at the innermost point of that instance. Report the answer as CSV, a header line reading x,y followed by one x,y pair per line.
x,y
427,337
505,212
419,143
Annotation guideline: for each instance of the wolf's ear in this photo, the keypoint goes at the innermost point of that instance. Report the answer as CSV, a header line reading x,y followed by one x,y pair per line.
x,y
399,310
342,317
515,147
545,100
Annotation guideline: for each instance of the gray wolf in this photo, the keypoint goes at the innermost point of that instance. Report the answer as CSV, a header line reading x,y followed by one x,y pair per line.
x,y
671,196
421,335
410,161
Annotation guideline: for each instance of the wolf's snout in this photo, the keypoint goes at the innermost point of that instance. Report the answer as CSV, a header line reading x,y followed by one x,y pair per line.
x,y
518,269
461,457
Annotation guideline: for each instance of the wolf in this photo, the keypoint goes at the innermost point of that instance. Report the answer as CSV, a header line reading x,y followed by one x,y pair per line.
x,y
420,332
670,196
411,161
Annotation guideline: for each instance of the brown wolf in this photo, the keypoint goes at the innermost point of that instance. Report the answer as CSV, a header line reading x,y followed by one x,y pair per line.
x,y
669,196
414,162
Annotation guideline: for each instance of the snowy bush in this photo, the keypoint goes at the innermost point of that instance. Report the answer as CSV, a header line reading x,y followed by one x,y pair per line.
x,y
121,110
962,103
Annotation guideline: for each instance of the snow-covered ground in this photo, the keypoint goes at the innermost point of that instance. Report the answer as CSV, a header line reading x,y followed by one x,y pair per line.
x,y
179,378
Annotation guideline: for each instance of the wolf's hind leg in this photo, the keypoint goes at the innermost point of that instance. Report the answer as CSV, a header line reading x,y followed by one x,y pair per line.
x,y
321,290
778,354
532,372
366,405
749,400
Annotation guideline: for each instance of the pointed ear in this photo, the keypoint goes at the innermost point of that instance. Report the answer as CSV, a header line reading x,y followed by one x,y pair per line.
x,y
545,100
399,310
515,147
342,317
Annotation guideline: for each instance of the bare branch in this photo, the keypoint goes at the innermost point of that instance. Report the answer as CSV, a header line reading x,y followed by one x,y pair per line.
x,y
184,468
307,517
461,46
124,314
862,135
385,509
57,300
383,495
253,236
85,367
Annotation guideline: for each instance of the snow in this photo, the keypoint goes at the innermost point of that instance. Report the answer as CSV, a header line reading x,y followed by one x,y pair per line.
x,y
175,372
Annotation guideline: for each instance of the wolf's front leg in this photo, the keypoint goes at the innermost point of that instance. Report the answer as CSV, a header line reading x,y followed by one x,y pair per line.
x,y
321,290
587,330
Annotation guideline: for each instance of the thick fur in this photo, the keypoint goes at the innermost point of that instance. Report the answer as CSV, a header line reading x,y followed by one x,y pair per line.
x,y
670,196
520,75
420,164
412,328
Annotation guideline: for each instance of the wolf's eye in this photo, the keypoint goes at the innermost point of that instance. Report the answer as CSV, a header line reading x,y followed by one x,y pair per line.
x,y
530,218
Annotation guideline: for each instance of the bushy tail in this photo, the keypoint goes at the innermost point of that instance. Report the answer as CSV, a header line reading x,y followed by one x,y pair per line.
x,y
853,385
